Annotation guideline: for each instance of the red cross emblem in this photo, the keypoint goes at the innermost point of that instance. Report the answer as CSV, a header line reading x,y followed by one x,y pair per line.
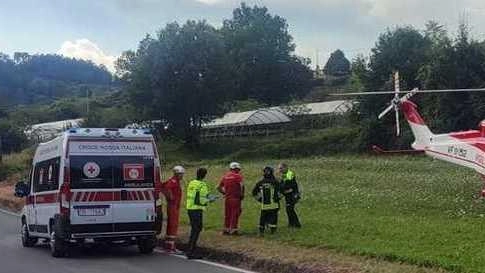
x,y
91,170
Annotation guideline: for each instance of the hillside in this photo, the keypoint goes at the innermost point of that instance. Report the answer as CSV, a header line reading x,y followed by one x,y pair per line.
x,y
33,79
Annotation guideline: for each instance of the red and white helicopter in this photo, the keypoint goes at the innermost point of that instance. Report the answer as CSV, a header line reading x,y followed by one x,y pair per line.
x,y
465,148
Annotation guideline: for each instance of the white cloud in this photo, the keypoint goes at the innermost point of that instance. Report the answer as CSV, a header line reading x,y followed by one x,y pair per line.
x,y
87,50
209,2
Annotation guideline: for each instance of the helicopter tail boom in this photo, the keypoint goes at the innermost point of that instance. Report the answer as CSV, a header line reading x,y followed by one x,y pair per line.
x,y
421,132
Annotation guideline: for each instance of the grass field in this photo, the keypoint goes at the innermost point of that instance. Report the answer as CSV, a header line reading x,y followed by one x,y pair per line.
x,y
410,210
405,209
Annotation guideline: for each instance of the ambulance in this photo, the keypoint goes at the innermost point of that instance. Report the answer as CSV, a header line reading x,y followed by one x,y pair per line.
x,y
93,185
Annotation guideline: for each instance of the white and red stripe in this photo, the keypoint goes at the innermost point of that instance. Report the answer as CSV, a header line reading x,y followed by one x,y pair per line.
x,y
105,196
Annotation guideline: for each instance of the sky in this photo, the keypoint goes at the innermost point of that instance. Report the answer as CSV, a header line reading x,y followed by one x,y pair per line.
x,y
100,30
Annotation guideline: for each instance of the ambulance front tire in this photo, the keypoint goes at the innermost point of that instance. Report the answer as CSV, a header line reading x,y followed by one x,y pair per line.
x,y
27,241
146,245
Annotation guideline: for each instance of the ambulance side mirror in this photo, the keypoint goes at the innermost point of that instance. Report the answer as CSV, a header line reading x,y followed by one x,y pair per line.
x,y
21,189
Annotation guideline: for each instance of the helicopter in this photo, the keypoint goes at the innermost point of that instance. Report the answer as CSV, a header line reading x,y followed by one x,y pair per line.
x,y
464,148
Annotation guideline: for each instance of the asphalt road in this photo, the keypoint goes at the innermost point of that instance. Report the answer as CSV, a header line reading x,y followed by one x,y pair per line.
x,y
15,258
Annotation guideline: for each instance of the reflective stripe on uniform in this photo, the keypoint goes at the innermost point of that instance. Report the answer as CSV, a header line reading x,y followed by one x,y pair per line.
x,y
267,197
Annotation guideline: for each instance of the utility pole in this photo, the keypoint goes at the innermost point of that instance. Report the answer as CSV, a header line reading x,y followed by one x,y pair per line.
x,y
317,64
316,60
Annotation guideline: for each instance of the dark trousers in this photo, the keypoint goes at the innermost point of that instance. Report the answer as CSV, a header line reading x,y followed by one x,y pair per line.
x,y
195,217
268,218
293,220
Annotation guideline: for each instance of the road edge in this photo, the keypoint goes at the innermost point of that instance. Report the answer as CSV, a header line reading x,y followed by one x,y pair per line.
x,y
249,264
9,212
161,251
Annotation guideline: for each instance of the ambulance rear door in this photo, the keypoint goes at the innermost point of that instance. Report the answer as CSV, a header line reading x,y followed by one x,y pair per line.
x,y
113,184
92,199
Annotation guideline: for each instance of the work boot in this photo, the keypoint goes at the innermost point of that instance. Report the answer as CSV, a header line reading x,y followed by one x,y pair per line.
x,y
193,256
169,246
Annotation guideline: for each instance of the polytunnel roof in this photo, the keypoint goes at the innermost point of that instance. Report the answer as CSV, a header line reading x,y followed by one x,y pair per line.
x,y
326,107
50,130
329,107
256,117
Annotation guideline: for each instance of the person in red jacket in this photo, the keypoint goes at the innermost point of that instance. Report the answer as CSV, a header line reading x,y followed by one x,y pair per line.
x,y
173,193
231,186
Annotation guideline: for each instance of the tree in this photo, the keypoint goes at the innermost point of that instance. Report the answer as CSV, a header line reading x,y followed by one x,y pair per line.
x,y
454,64
402,49
12,137
69,108
181,77
337,64
261,52
429,59
21,57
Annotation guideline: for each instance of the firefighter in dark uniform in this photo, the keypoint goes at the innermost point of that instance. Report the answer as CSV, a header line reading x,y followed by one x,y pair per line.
x,y
289,189
198,198
267,192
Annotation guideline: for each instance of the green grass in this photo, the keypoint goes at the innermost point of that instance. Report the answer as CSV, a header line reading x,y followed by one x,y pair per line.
x,y
406,209
16,163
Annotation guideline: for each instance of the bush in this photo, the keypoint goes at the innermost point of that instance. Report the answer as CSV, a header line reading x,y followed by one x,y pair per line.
x,y
16,163
309,143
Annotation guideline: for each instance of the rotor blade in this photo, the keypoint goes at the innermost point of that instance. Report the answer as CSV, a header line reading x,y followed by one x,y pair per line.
x,y
387,110
404,92
398,129
397,87
408,95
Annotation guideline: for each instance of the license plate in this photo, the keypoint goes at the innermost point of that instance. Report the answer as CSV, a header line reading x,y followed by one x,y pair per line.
x,y
91,212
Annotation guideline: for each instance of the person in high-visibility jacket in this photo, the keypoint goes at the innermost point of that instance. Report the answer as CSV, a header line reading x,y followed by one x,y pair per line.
x,y
267,192
198,197
173,194
231,186
289,188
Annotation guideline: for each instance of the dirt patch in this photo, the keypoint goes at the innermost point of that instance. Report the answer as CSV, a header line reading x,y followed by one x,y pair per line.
x,y
7,199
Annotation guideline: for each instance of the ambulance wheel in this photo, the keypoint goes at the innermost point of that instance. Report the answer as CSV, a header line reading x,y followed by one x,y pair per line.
x,y
58,246
27,241
146,245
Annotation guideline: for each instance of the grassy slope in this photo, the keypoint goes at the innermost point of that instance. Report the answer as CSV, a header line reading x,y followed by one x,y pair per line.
x,y
407,209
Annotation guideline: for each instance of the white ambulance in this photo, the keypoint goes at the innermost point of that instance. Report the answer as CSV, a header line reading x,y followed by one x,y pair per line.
x,y
93,185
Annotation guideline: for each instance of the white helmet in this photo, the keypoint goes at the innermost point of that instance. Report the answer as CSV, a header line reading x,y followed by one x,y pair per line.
x,y
234,165
178,170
